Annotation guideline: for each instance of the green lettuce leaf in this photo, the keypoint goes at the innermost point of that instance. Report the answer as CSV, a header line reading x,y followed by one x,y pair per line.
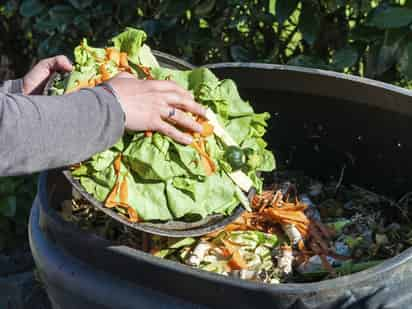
x,y
268,162
148,199
120,145
182,204
239,128
261,119
252,239
230,94
180,77
216,194
146,57
190,159
86,57
102,160
177,244
100,183
186,185
145,158
257,181
130,41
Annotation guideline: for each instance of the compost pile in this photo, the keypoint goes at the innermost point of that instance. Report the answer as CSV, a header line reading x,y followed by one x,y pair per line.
x,y
300,230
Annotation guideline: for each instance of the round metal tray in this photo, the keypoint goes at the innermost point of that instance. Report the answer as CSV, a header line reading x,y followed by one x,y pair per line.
x,y
172,228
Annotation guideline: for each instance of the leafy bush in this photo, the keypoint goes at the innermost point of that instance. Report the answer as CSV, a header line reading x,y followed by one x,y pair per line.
x,y
367,38
16,196
370,38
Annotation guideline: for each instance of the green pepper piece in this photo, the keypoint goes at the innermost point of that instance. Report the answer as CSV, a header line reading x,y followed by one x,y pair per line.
x,y
235,157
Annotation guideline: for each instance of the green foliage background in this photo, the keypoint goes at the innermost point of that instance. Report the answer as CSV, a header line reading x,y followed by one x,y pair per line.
x,y
366,38
369,38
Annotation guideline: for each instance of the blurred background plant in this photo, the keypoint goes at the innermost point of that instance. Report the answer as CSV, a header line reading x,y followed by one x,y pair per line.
x,y
366,38
16,196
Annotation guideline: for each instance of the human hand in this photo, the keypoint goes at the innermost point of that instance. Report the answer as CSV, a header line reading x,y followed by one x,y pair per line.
x,y
35,80
153,105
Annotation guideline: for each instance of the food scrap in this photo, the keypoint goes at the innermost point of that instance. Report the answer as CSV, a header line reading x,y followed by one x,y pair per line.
x,y
300,230
147,176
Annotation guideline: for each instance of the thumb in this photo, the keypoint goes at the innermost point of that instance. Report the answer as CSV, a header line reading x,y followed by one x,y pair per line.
x,y
34,81
59,63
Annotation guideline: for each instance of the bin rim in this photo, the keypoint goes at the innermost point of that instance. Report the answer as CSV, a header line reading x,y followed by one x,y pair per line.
x,y
311,71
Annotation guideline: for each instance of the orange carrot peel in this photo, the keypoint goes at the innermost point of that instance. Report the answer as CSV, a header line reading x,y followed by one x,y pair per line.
x,y
121,189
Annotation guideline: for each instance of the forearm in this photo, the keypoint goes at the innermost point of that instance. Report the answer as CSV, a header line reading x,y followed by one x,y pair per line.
x,y
12,86
43,132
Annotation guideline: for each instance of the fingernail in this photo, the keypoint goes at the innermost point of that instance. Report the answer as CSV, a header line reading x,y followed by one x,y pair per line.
x,y
188,139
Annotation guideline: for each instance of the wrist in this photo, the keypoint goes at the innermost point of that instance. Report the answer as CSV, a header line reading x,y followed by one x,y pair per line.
x,y
111,90
108,88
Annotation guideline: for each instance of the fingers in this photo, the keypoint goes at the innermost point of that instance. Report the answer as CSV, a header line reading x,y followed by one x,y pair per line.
x,y
167,86
180,119
191,106
163,85
183,102
169,130
59,63
167,91
63,64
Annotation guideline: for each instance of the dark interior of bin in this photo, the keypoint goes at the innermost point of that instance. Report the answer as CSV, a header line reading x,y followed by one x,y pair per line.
x,y
320,135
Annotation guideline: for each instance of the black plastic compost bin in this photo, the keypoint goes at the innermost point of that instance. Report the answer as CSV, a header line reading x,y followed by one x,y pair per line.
x,y
320,122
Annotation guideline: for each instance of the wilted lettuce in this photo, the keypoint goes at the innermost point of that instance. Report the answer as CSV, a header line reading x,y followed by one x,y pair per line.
x,y
166,180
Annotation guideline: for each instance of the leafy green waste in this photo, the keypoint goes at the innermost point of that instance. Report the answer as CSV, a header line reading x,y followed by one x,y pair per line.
x,y
254,248
167,180
346,268
371,230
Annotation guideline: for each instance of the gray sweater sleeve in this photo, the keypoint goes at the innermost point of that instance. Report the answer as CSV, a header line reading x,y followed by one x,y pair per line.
x,y
43,132
12,86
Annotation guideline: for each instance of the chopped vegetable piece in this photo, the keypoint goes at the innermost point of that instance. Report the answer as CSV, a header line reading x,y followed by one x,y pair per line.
x,y
113,54
124,192
235,157
207,129
123,62
103,71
